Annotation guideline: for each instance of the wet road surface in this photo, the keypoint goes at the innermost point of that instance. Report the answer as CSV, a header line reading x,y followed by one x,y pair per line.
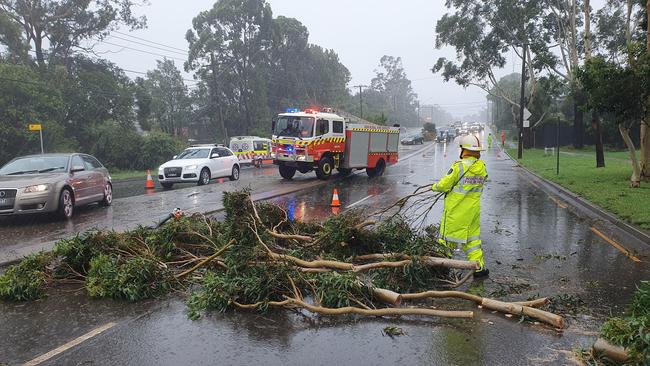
x,y
535,245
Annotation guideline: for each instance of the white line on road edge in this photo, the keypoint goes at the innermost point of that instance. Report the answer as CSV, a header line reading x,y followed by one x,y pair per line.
x,y
359,201
40,359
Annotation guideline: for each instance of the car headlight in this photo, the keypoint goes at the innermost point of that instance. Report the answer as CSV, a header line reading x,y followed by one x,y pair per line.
x,y
191,167
37,188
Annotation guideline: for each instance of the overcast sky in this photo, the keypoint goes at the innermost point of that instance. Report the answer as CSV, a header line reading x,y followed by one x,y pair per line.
x,y
360,31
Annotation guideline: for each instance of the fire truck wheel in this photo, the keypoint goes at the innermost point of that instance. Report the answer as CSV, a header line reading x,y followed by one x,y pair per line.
x,y
378,170
325,166
287,172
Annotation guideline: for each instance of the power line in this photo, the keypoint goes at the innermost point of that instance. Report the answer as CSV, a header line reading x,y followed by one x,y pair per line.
x,y
145,40
150,46
143,51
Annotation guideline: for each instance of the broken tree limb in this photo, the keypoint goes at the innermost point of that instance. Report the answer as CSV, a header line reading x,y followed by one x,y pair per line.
x,y
432,261
615,353
382,311
533,303
387,296
304,238
500,306
344,266
293,303
205,261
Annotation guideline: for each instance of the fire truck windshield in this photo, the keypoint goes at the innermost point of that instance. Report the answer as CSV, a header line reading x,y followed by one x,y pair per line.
x,y
293,126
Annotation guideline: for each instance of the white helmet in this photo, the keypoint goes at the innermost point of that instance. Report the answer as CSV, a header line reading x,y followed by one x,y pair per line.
x,y
471,142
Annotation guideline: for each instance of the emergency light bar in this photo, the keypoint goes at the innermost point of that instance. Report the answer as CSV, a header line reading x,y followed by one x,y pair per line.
x,y
292,110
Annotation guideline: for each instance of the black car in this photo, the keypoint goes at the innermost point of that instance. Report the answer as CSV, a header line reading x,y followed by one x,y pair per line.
x,y
413,140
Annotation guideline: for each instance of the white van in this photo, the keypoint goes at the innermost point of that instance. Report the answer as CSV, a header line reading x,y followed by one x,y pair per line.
x,y
251,149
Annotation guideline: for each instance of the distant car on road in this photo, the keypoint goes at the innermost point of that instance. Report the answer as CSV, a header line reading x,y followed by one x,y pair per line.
x,y
413,140
53,183
198,164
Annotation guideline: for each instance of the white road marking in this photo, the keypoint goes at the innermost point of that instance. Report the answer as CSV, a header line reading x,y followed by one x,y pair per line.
x,y
42,358
359,201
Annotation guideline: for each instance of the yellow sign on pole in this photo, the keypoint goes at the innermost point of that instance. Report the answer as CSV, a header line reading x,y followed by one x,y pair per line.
x,y
35,127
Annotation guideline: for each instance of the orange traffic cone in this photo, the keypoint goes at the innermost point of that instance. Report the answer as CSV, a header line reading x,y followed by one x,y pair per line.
x,y
335,199
149,184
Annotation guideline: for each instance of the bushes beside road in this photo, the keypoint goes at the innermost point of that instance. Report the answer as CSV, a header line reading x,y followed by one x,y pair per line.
x,y
124,149
606,187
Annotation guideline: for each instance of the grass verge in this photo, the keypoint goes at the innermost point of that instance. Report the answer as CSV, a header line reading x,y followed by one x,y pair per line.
x,y
606,187
130,174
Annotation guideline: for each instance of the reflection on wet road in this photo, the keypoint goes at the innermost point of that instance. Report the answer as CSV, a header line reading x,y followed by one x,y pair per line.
x,y
535,245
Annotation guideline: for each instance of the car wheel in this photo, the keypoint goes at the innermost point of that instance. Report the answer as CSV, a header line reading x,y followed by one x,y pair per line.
x,y
378,170
108,195
204,177
325,166
235,173
287,172
167,185
66,204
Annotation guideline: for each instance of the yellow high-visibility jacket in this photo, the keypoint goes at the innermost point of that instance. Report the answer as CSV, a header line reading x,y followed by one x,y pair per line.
x,y
463,185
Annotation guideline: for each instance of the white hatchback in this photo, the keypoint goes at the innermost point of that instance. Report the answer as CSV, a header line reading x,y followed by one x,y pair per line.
x,y
198,164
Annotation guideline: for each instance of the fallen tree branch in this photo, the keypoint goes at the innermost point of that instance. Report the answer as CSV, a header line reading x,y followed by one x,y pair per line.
x,y
500,306
432,261
205,261
365,224
291,302
533,303
382,311
615,353
304,238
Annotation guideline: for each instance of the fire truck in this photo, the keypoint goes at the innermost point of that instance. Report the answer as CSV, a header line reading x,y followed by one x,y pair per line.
x,y
323,141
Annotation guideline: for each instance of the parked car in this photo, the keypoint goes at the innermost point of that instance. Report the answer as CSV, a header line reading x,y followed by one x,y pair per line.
x,y
413,140
56,183
198,164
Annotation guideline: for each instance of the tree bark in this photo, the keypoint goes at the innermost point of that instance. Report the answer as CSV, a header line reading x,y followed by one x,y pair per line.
x,y
635,179
598,135
614,353
595,117
645,128
500,306
578,123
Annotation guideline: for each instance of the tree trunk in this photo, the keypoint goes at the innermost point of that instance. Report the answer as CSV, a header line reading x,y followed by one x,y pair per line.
x,y
636,169
645,128
598,135
578,124
645,149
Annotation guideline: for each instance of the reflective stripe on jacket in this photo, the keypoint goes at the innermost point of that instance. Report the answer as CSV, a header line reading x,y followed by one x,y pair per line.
x,y
463,185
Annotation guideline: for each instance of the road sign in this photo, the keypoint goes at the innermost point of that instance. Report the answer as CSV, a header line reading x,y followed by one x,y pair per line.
x,y
526,123
527,115
37,127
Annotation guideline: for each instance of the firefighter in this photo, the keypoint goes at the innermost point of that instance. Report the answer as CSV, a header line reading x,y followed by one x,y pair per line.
x,y
461,219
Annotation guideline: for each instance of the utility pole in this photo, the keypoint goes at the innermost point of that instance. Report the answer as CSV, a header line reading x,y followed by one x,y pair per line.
x,y
360,98
520,147
419,120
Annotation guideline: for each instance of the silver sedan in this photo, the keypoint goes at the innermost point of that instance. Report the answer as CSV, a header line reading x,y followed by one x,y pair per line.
x,y
53,183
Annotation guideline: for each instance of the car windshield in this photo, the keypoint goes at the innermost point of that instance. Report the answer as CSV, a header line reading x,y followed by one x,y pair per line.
x,y
293,126
194,154
35,165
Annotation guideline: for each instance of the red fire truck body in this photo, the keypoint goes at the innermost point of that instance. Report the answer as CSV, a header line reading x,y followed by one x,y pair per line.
x,y
312,140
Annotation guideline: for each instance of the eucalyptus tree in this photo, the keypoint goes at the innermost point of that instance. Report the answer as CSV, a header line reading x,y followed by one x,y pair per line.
x,y
62,25
170,102
229,51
